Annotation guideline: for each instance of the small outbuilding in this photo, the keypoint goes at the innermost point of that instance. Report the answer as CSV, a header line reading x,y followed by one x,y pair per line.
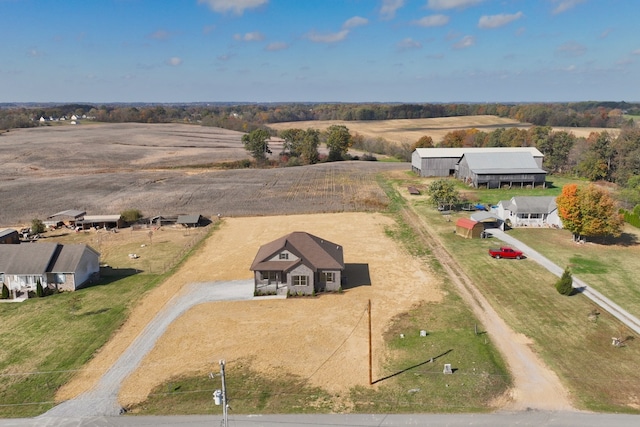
x,y
468,228
189,220
9,236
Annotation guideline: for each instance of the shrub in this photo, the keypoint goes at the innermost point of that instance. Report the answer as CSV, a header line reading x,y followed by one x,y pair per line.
x,y
37,226
5,292
131,215
565,285
39,290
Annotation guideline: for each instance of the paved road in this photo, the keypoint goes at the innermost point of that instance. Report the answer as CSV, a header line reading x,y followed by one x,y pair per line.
x,y
506,419
103,399
605,303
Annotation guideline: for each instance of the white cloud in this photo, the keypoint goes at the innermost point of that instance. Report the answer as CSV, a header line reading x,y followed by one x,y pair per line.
x,y
174,61
496,21
356,21
571,49
408,43
208,28
236,6
160,35
249,37
275,46
432,21
636,52
389,8
328,37
564,5
34,52
451,4
465,42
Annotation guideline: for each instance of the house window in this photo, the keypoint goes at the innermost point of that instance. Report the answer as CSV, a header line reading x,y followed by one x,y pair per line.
x,y
328,277
535,216
271,276
300,280
284,255
60,278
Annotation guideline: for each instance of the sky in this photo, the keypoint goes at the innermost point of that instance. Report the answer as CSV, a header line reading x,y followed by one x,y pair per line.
x,y
411,51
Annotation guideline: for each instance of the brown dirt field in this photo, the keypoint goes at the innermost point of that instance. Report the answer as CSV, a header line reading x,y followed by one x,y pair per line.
x,y
269,331
410,130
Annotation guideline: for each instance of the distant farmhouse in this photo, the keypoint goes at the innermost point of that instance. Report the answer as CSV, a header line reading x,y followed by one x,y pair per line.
x,y
492,167
529,211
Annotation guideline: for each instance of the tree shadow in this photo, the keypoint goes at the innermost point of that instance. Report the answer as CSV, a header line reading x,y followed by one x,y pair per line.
x,y
433,359
355,275
625,239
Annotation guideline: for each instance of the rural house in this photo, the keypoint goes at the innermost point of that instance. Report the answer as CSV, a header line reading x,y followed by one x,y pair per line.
x,y
529,211
442,161
495,170
298,263
57,266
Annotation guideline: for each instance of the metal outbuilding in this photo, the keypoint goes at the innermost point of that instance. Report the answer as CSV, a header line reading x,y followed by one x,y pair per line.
x,y
468,228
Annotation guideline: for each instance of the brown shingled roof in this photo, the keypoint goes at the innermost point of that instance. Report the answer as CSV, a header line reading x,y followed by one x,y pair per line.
x,y
315,252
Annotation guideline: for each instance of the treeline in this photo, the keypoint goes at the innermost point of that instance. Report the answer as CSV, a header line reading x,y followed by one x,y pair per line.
x,y
247,117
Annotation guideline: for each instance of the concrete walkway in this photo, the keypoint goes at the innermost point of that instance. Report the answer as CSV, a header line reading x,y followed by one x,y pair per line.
x,y
603,302
103,399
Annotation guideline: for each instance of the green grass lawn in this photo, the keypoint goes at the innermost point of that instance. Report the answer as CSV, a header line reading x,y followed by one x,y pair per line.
x,y
600,377
45,341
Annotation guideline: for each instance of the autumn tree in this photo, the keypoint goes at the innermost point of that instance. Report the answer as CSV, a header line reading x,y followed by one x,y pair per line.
x,y
597,161
424,142
588,211
255,142
338,140
443,193
37,226
556,150
307,148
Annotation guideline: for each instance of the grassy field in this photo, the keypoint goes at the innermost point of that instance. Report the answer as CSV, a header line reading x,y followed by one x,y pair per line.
x,y
601,377
44,341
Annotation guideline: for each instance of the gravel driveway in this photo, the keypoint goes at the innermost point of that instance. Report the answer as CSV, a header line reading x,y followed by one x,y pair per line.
x,y
103,399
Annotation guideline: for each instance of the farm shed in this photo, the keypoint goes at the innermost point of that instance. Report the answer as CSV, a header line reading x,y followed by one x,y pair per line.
x,y
529,211
487,219
495,170
69,217
468,228
442,161
9,236
57,266
189,220
298,263
101,221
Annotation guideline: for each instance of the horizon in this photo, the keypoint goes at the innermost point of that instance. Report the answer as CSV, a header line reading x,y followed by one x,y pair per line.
x,y
288,51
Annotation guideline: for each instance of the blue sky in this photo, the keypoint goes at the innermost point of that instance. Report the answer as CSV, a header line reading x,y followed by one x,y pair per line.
x,y
319,50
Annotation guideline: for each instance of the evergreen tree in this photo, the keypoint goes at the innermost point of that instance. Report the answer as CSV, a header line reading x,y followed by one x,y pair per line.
x,y
5,291
39,290
564,286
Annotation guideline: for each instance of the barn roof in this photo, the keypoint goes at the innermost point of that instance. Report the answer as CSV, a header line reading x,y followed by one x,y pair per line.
x,y
437,152
101,218
188,219
7,232
69,213
314,251
502,162
466,223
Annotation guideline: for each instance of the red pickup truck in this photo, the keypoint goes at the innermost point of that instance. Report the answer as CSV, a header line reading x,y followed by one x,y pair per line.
x,y
505,252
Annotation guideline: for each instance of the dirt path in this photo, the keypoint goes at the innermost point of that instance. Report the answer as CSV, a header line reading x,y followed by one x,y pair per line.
x,y
535,385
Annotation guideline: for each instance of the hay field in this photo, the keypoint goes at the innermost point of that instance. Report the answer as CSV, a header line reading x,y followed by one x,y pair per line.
x,y
158,169
410,130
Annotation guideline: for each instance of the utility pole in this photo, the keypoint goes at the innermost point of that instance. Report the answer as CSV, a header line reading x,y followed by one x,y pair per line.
x,y
220,396
370,352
